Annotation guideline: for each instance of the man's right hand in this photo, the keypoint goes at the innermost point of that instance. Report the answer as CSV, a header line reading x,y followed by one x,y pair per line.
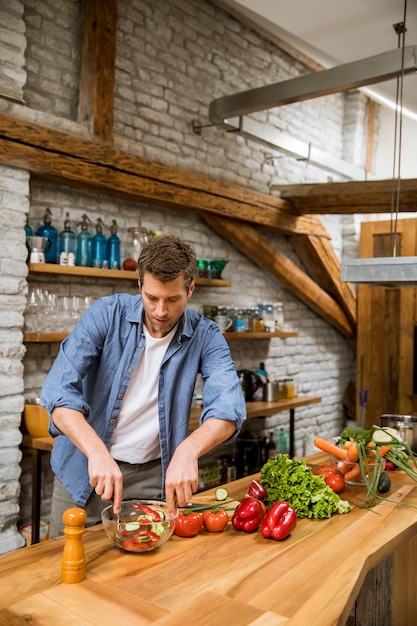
x,y
104,473
106,479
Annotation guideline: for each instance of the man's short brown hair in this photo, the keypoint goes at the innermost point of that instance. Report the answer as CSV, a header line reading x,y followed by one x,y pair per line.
x,y
166,257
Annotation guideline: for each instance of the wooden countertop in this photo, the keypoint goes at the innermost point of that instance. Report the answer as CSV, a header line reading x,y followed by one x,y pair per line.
x,y
313,577
258,408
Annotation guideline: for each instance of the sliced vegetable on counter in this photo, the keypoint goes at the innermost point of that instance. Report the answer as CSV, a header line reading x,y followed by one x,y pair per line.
x,y
248,515
221,494
279,521
292,481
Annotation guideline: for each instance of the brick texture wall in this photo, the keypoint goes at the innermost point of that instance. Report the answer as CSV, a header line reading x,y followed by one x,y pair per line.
x,y
173,58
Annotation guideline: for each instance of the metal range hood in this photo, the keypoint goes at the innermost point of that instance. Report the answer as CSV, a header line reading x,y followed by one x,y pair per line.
x,y
369,71
394,272
229,111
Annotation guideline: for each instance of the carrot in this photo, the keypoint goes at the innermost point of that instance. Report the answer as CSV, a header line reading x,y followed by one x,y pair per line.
x,y
352,451
383,450
371,449
346,467
330,448
353,473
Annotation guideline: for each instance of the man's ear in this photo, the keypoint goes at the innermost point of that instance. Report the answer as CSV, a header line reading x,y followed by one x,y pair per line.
x,y
139,285
191,289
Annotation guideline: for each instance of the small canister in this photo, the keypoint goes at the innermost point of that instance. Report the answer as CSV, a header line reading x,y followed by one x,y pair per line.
x,y
270,391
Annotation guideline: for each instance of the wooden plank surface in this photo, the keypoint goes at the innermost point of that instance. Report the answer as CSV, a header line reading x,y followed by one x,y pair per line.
x,y
347,198
253,580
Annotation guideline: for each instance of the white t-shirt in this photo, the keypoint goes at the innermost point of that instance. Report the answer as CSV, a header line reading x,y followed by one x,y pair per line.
x,y
136,436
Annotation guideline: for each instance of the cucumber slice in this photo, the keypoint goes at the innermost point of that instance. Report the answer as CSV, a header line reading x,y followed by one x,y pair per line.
x,y
130,526
221,494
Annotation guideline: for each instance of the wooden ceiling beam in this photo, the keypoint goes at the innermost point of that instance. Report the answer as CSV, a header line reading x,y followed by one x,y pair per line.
x,y
72,160
96,95
249,241
348,198
322,264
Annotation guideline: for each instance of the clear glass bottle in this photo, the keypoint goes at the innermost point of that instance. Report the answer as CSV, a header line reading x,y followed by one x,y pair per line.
x,y
140,237
66,243
83,256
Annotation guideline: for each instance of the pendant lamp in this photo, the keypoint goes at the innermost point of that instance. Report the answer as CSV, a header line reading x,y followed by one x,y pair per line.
x,y
390,271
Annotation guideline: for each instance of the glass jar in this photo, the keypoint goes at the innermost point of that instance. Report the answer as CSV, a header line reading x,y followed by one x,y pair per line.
x,y
239,321
278,315
139,238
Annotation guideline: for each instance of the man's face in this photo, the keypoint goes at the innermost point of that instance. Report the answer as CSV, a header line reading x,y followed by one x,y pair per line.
x,y
164,303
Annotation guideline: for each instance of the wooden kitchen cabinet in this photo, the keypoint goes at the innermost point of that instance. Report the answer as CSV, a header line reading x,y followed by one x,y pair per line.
x,y
387,329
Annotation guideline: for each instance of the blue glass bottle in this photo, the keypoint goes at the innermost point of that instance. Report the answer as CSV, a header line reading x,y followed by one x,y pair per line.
x,y
83,256
98,245
51,233
113,247
28,233
66,244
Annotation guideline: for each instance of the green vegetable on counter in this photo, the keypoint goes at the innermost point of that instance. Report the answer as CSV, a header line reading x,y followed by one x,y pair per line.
x,y
292,481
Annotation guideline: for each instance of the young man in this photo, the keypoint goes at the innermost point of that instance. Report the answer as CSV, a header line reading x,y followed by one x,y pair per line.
x,y
120,390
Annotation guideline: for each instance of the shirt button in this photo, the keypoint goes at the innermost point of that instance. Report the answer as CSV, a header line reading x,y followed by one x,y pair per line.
x,y
141,345
130,370
112,421
120,396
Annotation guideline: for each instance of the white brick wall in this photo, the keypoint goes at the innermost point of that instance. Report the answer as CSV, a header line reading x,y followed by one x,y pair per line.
x,y
173,58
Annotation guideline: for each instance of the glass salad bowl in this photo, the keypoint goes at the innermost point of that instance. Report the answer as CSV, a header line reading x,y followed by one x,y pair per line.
x,y
141,526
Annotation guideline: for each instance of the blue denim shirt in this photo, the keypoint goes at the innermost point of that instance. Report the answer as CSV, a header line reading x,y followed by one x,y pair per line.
x,y
94,367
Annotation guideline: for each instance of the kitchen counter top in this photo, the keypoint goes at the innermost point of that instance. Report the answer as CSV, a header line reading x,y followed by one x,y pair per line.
x,y
312,577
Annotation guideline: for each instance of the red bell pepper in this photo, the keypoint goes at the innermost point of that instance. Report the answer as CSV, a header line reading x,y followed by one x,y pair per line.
x,y
256,490
248,515
149,512
279,521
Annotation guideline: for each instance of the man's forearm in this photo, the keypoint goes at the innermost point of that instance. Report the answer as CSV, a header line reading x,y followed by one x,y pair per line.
x,y
210,434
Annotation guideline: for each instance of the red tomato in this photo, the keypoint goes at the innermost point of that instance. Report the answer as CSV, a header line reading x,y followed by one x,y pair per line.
x,y
130,264
324,470
335,481
188,524
215,520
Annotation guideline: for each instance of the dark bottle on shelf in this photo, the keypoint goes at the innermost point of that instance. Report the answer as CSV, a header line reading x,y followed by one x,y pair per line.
x,y
272,450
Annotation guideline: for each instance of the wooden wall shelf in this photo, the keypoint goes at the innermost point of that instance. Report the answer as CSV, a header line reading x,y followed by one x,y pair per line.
x,y
76,270
262,335
58,337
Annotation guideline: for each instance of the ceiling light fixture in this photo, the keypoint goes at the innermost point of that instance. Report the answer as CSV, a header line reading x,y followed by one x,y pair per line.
x,y
393,271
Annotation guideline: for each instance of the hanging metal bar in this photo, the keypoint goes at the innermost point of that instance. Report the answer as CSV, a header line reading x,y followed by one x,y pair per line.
x,y
367,71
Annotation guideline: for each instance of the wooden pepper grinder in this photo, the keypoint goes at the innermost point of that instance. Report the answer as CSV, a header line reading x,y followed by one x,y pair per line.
x,y
73,557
